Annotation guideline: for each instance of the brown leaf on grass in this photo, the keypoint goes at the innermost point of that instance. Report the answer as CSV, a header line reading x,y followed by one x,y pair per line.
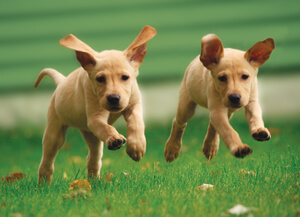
x,y
13,177
109,177
80,184
3,204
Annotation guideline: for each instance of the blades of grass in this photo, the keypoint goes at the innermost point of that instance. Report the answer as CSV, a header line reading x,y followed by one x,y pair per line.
x,y
76,176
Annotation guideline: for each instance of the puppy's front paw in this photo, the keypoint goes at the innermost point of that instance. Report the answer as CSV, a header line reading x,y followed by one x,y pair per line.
x,y
242,152
115,142
261,134
136,150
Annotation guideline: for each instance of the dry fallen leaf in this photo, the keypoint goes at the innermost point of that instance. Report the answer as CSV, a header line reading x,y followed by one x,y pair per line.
x,y
13,177
205,187
109,177
80,184
3,204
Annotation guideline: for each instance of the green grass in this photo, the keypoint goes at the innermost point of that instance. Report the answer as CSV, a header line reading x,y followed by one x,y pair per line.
x,y
153,187
30,32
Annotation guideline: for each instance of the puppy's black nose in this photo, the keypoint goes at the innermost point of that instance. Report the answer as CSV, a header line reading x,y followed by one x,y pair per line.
x,y
234,98
113,99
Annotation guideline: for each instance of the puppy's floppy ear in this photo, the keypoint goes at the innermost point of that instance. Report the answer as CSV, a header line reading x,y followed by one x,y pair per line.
x,y
84,54
136,51
211,50
260,52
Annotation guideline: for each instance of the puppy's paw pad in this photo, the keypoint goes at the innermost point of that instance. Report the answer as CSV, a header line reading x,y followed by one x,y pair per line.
x,y
115,143
261,134
242,152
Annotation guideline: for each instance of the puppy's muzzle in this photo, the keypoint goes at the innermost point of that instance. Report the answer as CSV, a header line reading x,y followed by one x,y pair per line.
x,y
113,99
234,99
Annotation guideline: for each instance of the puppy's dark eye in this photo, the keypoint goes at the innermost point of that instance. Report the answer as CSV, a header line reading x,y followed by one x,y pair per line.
x,y
125,77
222,78
245,77
101,79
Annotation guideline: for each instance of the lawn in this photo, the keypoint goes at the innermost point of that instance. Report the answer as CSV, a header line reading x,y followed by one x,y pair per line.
x,y
267,180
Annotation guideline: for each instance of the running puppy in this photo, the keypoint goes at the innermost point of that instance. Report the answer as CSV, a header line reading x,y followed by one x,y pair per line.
x,y
222,80
92,98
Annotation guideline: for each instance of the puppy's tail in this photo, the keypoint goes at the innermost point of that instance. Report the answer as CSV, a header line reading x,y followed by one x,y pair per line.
x,y
52,73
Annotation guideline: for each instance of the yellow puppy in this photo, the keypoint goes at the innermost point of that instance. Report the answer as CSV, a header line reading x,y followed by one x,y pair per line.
x,y
222,80
92,98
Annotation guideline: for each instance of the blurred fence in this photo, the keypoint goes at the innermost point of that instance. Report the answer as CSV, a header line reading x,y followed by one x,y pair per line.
x,y
30,31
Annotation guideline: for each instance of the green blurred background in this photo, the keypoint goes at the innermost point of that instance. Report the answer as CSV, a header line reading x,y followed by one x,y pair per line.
x,y
31,30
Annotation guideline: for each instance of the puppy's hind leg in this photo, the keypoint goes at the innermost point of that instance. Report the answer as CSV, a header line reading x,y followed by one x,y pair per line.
x,y
54,138
211,142
95,154
186,109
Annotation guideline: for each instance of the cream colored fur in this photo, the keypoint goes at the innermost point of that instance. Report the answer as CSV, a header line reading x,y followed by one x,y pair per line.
x,y
222,80
92,98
